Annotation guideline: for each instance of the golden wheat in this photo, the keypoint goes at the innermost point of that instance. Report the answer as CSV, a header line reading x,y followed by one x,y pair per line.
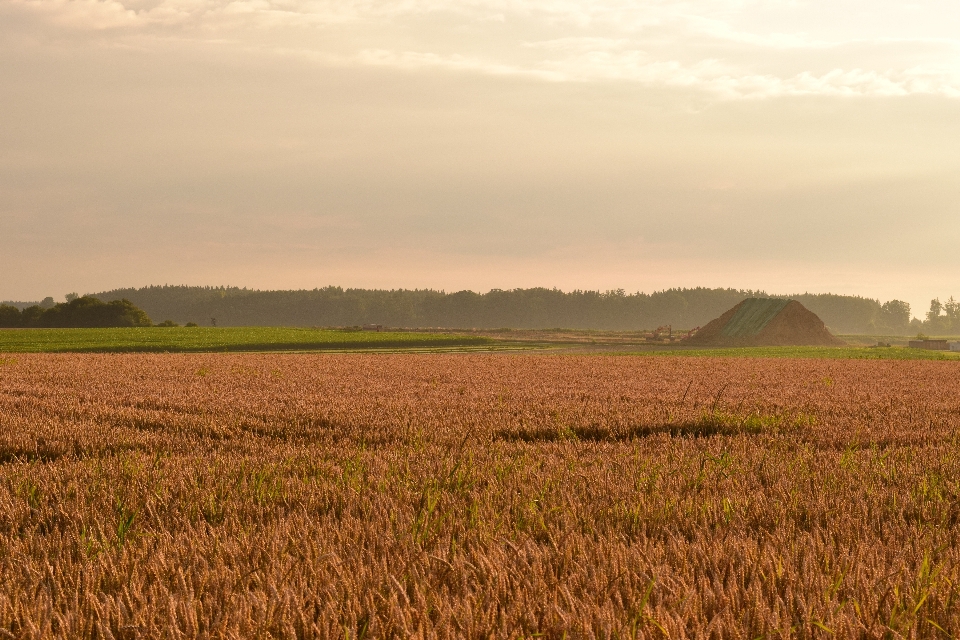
x,y
451,496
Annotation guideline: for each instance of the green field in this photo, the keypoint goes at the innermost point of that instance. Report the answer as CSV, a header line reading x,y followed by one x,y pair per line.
x,y
196,339
232,339
834,353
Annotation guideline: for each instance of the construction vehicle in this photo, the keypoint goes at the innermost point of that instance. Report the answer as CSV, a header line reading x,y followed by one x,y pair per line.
x,y
658,334
690,333
666,334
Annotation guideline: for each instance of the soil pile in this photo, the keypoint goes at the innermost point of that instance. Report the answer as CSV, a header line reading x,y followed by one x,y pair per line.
x,y
765,322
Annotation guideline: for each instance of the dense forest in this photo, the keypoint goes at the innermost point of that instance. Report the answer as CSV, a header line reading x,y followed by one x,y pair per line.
x,y
77,311
516,308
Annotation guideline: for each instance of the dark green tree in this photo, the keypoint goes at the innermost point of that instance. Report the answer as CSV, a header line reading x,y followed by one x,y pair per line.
x,y
9,316
951,309
30,317
87,311
942,317
894,316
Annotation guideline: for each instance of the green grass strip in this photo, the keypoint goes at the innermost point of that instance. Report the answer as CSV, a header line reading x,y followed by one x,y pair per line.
x,y
827,353
200,339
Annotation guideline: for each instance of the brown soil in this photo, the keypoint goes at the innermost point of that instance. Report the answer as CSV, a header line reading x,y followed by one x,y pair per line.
x,y
794,326
710,335
797,326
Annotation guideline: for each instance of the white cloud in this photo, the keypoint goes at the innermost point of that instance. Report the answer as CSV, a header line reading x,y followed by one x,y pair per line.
x,y
726,48
413,60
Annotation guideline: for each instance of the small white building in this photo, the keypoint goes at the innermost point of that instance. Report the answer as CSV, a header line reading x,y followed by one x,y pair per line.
x,y
955,346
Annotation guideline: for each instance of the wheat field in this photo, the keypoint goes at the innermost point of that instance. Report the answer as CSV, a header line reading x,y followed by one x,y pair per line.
x,y
477,496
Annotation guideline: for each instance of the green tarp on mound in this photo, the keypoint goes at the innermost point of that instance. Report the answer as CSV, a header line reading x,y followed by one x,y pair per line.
x,y
751,316
762,322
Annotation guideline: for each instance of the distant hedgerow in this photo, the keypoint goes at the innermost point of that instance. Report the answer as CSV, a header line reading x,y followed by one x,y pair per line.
x,y
85,311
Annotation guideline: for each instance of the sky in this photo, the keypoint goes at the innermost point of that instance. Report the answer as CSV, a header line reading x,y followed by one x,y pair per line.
x,y
782,145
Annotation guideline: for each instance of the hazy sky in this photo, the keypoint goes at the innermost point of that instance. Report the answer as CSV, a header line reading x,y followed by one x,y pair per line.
x,y
787,145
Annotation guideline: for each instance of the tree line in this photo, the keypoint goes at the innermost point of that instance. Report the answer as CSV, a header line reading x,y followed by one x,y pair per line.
x,y
537,308
77,311
943,318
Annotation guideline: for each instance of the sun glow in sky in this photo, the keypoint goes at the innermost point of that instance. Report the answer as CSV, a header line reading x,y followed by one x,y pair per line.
x,y
784,145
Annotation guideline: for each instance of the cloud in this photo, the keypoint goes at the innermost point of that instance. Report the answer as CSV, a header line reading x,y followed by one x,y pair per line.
x,y
728,49
413,60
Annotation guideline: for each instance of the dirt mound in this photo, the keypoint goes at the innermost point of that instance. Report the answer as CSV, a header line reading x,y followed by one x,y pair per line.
x,y
765,322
